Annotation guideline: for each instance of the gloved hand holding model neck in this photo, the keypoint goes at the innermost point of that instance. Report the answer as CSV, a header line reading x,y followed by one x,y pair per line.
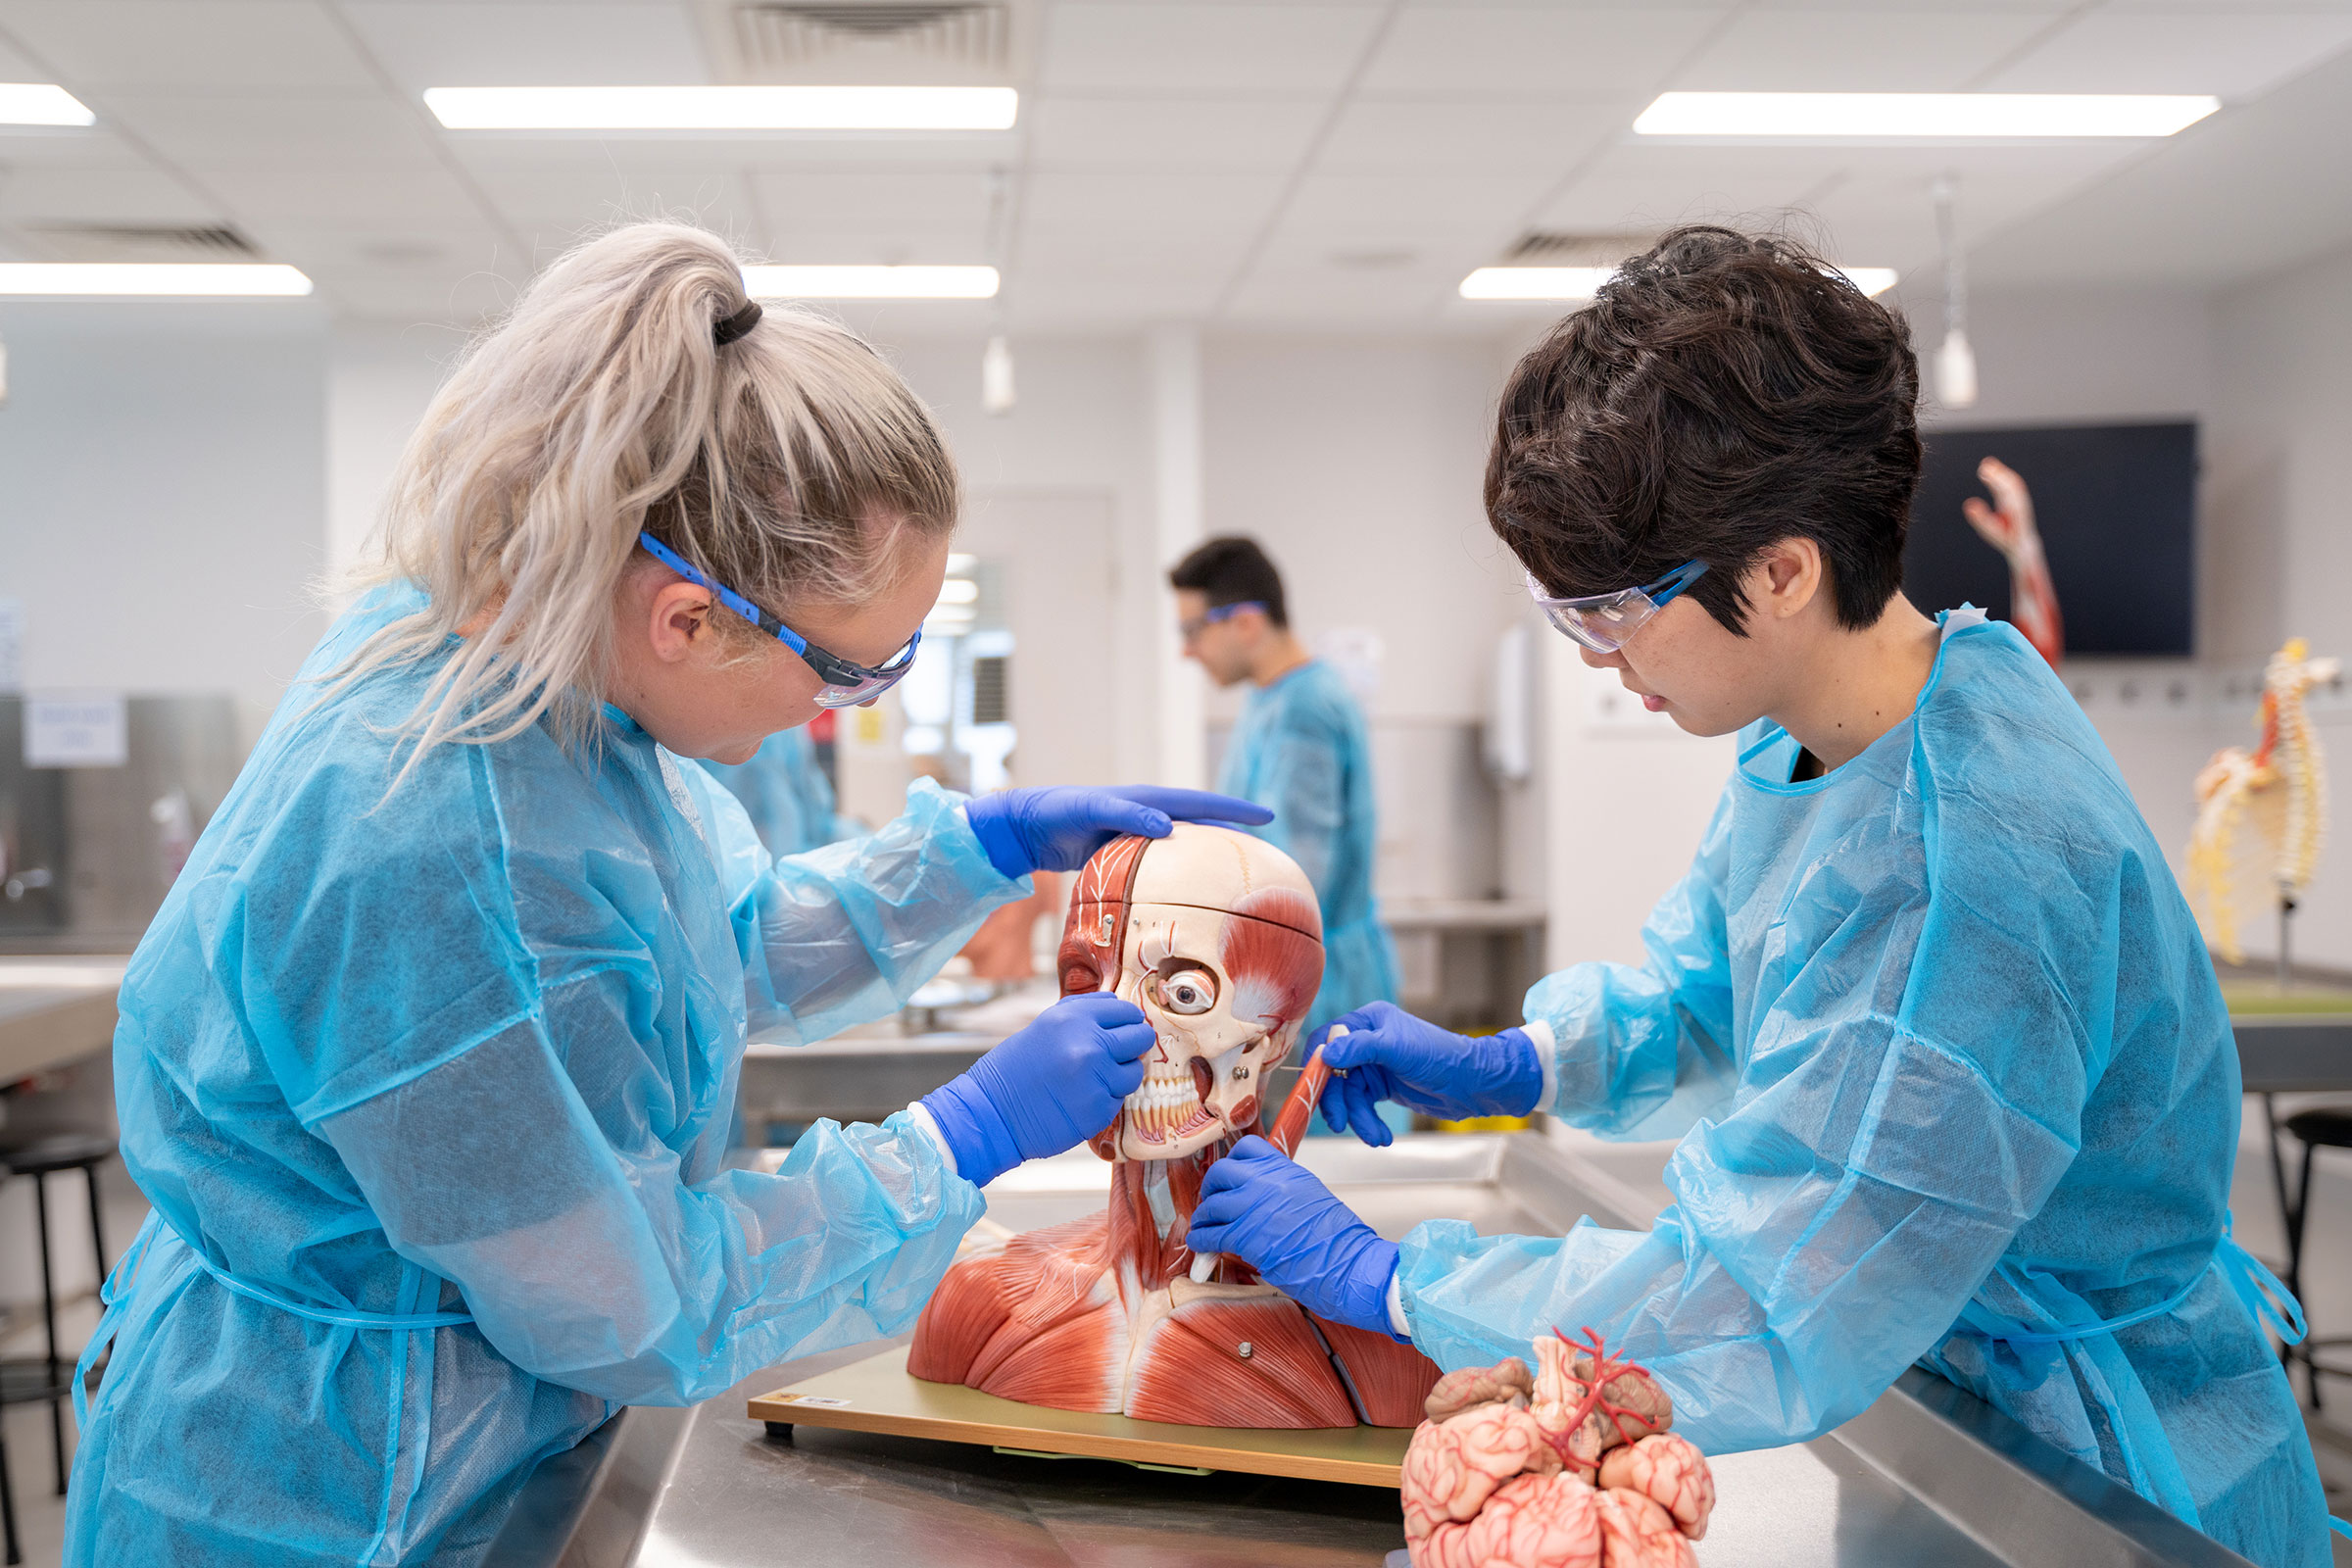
x,y
1261,1206
1045,1089
1059,829
1381,1053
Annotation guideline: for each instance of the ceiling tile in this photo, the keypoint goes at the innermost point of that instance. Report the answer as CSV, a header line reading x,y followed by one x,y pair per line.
x,y
586,189
498,44
65,194
1297,51
93,146
2237,54
429,197
1091,296
1420,135
1068,133
1635,189
213,44
1150,205
1845,51
462,299
1378,204
14,67
393,249
1549,52
335,135
902,203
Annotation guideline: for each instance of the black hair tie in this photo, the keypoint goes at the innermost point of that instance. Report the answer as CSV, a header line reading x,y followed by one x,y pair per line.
x,y
738,325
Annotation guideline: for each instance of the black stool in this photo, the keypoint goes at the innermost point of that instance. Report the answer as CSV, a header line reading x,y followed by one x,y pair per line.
x,y
50,1377
2330,1127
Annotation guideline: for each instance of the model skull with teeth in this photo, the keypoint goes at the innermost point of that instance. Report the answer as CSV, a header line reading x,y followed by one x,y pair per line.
x,y
1216,936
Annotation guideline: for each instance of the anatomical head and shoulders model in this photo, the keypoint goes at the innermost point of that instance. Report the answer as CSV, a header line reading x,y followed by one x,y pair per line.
x,y
1216,936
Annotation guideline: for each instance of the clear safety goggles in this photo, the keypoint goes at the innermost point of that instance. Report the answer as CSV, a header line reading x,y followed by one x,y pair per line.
x,y
846,684
1606,622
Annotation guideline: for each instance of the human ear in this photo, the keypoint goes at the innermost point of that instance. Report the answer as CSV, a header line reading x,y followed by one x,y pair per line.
x,y
1790,569
679,622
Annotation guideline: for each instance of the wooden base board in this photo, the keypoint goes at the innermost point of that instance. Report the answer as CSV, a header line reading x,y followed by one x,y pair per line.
x,y
878,1395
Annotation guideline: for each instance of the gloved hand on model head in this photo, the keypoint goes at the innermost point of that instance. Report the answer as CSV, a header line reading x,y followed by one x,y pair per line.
x,y
1271,1213
1060,829
1381,1053
1047,1087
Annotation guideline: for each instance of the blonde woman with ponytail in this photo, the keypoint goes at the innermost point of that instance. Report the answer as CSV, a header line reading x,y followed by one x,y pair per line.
x,y
428,1062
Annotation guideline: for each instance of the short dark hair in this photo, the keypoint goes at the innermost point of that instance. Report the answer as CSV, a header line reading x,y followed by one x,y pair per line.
x,y
1724,391
1233,570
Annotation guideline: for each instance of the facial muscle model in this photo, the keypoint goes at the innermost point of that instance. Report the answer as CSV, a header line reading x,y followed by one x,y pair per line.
x,y
1216,936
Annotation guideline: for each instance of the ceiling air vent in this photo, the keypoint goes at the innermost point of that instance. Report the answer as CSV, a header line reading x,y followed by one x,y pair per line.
x,y
782,40
141,242
1552,248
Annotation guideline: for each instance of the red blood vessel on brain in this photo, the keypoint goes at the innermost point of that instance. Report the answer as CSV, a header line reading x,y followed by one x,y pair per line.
x,y
1216,936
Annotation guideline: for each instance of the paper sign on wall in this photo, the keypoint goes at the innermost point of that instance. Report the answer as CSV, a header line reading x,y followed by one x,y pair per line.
x,y
83,731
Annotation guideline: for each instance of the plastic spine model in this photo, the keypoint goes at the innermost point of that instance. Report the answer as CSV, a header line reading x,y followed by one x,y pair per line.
x,y
1216,936
1573,1467
2281,786
2008,526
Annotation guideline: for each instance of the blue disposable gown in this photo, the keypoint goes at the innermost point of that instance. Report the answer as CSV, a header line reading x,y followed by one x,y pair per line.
x,y
1949,1065
786,794
430,1094
1300,750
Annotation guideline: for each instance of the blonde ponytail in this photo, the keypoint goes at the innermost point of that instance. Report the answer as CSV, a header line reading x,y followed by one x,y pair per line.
x,y
783,463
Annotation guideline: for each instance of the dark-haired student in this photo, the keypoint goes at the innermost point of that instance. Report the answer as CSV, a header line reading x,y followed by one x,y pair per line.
x,y
1946,1058
1302,750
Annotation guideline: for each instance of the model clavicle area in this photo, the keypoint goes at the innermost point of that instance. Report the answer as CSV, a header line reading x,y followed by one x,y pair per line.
x,y
1215,937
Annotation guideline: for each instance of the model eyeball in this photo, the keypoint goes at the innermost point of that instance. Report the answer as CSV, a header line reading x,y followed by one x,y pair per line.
x,y
1187,991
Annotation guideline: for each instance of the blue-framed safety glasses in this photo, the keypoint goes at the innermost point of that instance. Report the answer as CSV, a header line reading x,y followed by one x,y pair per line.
x,y
1606,622
846,684
1190,629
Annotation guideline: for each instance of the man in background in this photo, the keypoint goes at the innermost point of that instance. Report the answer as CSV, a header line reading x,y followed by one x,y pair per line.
x,y
1299,749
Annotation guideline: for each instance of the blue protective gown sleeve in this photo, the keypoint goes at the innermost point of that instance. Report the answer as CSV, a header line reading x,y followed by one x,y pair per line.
x,y
593,1254
1821,1243
1644,1052
838,935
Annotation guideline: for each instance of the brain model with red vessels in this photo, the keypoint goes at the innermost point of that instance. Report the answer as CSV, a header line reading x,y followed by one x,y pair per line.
x,y
1572,1466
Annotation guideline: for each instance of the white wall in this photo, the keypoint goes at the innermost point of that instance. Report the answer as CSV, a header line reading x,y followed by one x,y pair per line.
x,y
2280,499
162,494
1081,423
1357,465
379,380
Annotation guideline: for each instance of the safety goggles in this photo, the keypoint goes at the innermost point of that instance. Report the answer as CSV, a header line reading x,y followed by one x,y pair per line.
x,y
1190,629
1606,622
846,684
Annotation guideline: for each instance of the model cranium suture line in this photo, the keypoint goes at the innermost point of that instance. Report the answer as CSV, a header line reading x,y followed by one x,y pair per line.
x,y
1571,1467
2281,785
1216,936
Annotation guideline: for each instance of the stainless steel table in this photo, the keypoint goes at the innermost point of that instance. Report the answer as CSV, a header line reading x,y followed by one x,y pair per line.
x,y
1927,1477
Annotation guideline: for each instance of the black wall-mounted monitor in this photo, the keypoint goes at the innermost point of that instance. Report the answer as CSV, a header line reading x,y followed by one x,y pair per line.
x,y
2116,504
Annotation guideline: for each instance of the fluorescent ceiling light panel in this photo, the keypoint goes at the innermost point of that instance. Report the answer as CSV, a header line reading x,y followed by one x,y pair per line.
x,y
728,107
1536,283
189,279
41,103
1582,282
870,283
1937,116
